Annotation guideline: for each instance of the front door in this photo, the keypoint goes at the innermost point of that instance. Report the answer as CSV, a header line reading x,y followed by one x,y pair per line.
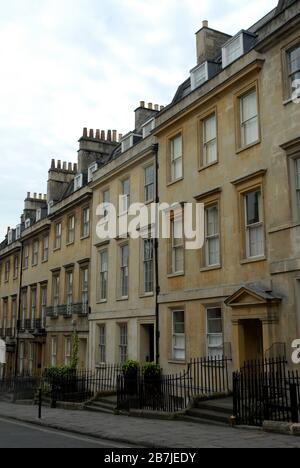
x,y
251,340
147,343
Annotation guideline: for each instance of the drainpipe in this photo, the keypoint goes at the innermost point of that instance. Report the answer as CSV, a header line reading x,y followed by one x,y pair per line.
x,y
19,310
156,252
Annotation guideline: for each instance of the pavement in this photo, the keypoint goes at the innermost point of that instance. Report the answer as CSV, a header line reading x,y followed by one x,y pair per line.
x,y
145,432
15,434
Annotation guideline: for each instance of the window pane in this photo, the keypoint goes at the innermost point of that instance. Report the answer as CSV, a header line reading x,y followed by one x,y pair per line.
x,y
256,241
294,60
252,208
210,129
177,148
212,221
249,106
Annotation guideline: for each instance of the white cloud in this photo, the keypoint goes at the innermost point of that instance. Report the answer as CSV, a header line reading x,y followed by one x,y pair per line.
x,y
67,64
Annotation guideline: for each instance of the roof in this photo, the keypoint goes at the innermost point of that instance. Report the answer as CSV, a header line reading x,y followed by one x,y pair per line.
x,y
185,88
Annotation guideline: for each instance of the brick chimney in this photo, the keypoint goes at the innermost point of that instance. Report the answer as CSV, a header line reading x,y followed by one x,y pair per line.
x,y
60,175
144,113
95,146
209,43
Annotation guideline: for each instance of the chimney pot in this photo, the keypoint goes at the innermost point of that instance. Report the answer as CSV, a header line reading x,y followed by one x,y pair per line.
x,y
35,196
114,135
103,135
91,133
120,137
58,164
40,196
28,195
109,135
150,106
70,167
156,107
142,104
205,24
45,196
97,134
53,164
75,168
64,166
85,132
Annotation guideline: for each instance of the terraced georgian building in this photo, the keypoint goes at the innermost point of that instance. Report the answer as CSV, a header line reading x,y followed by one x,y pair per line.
x,y
230,140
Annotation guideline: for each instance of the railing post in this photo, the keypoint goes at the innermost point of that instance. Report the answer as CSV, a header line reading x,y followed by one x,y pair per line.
x,y
294,403
40,403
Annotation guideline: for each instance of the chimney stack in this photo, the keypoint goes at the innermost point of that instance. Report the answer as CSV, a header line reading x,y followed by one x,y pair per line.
x,y
209,43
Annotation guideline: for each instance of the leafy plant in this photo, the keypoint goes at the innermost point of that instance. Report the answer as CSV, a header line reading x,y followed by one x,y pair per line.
x,y
54,373
130,368
151,370
74,350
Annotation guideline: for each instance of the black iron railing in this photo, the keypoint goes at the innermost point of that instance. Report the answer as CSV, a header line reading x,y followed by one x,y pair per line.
x,y
67,310
23,387
205,377
81,386
266,390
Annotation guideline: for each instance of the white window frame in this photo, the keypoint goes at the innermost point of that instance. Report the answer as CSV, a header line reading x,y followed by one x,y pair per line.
x,y
225,59
211,237
291,74
70,291
250,227
149,186
123,346
27,223
18,232
102,344
196,83
148,267
71,229
58,236
56,293
214,335
54,351
244,123
85,272
103,276
68,350
125,197
177,160
176,335
33,306
208,143
176,246
38,214
45,248
44,290
86,222
31,356
124,272
35,252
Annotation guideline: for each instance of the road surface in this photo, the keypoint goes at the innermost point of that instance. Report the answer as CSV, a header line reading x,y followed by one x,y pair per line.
x,y
22,435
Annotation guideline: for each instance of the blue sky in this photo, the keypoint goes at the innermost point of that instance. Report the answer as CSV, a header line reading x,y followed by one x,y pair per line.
x,y
69,64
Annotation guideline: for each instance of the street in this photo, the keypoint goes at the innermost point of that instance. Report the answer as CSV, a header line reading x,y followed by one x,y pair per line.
x,y
22,435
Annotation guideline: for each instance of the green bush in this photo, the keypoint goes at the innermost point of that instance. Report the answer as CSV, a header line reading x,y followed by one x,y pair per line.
x,y
59,372
130,368
151,370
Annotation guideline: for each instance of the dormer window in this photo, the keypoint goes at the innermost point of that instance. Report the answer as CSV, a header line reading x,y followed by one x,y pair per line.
x,y
236,47
199,75
27,223
18,231
50,206
127,143
91,171
148,127
10,237
38,214
78,182
233,50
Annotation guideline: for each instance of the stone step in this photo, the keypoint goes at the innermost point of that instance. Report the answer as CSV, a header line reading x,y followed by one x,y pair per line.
x,y
205,422
98,409
209,415
216,406
102,404
110,400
